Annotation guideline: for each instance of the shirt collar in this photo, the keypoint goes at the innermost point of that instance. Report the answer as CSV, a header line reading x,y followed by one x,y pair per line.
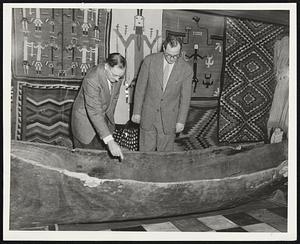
x,y
166,63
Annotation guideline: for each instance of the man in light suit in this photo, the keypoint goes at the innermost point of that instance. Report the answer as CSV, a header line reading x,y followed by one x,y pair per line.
x,y
94,107
162,97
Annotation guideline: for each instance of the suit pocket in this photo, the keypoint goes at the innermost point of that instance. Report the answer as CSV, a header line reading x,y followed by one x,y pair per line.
x,y
169,119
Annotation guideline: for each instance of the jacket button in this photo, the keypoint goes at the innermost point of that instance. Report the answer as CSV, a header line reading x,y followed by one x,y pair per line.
x,y
157,110
161,99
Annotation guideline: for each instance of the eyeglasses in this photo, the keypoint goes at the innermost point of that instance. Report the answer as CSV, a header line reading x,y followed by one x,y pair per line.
x,y
167,55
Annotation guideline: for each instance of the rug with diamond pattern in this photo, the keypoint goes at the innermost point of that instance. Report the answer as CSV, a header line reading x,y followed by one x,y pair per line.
x,y
249,82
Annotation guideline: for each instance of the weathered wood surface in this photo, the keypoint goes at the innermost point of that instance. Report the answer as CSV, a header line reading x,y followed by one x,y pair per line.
x,y
51,184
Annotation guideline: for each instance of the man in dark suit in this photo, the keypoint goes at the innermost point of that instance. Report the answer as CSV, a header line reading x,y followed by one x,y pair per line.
x,y
94,107
162,97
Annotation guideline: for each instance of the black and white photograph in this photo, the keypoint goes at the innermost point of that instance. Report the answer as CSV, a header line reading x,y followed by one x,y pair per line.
x,y
149,121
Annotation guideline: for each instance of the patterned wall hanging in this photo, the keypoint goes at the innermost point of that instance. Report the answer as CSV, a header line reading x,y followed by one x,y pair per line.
x,y
58,43
249,82
135,33
202,37
43,112
52,49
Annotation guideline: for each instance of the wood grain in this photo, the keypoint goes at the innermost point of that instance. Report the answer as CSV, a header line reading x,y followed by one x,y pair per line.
x,y
55,185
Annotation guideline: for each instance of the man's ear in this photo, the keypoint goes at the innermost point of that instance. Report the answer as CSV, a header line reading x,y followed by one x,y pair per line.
x,y
106,66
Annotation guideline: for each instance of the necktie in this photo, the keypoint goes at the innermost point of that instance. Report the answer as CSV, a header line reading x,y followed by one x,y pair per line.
x,y
166,76
109,86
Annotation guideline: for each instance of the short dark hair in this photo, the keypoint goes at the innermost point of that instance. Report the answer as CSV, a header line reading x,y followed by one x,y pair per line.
x,y
173,41
114,59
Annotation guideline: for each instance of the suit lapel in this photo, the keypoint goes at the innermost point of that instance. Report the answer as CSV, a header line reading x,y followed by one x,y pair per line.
x,y
115,87
105,84
159,66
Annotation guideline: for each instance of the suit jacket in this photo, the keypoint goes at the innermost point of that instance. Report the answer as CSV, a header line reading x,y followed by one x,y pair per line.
x,y
94,107
173,103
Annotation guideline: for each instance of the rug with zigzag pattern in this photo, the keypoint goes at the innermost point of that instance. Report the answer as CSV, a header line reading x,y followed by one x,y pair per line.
x,y
44,112
249,81
200,129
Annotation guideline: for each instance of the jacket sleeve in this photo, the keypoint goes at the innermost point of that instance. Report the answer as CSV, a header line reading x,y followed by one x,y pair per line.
x,y
185,95
93,105
141,86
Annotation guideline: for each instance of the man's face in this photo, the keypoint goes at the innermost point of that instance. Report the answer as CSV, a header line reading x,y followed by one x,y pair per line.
x,y
114,74
172,53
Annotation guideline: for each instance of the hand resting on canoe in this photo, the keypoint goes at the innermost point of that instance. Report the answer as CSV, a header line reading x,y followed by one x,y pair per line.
x,y
115,149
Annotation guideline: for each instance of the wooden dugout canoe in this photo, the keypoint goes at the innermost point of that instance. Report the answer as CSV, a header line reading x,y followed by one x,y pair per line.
x,y
56,185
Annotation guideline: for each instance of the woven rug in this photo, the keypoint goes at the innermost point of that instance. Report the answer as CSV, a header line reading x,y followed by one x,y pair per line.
x,y
58,43
200,130
42,115
249,81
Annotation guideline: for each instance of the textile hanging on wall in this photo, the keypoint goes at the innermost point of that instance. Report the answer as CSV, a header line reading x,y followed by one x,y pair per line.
x,y
135,33
280,106
58,43
202,36
200,129
249,80
43,112
51,51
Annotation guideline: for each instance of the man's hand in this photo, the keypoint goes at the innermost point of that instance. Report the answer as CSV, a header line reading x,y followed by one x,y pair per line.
x,y
115,149
136,118
179,127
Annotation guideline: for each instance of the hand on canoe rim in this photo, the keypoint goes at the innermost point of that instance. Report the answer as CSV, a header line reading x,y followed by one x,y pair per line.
x,y
115,149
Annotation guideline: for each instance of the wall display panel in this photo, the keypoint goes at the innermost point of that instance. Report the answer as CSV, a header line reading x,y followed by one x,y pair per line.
x,y
135,33
202,36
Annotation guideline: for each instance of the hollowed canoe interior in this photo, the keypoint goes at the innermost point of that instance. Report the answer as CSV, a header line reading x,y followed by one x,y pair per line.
x,y
213,163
